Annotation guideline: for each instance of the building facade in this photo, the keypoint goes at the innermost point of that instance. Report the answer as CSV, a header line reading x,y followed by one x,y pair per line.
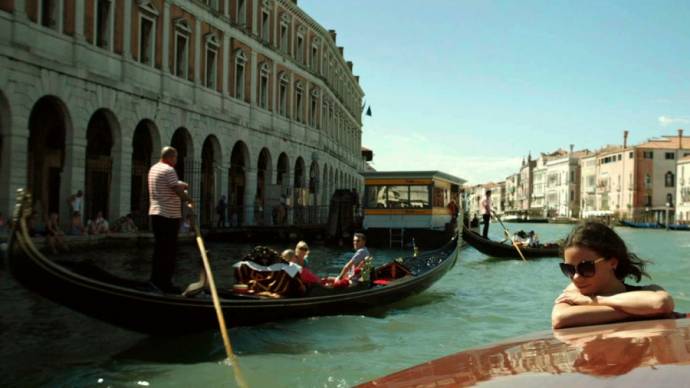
x,y
683,190
256,96
523,198
562,186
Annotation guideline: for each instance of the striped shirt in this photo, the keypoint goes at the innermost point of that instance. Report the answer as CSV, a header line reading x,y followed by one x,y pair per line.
x,y
162,182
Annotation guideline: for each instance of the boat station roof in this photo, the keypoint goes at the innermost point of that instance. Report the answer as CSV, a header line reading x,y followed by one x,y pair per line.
x,y
434,174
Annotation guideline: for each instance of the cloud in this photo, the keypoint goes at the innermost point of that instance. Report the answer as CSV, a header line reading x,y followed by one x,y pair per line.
x,y
667,120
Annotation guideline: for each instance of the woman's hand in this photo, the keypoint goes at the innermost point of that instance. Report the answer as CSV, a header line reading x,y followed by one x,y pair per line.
x,y
574,297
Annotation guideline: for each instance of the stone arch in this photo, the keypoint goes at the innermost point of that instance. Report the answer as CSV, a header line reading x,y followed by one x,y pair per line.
x,y
283,172
101,134
146,145
314,182
49,125
239,163
211,164
300,191
324,187
183,143
264,176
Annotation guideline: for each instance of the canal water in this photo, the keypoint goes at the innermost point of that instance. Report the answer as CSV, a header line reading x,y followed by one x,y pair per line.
x,y
478,302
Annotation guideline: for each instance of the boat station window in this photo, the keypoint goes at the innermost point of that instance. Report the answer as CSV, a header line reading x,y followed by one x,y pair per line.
x,y
397,197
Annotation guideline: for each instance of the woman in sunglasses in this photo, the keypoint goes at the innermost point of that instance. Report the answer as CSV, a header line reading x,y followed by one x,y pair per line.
x,y
597,262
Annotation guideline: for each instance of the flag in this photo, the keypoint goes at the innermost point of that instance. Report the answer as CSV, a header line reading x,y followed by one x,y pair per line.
x,y
369,111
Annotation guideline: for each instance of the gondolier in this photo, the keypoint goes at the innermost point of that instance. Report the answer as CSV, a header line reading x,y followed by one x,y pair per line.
x,y
166,193
485,208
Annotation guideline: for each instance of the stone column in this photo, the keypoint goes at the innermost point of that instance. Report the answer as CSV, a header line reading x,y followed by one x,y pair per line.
x,y
290,197
121,187
13,160
79,9
226,8
74,170
197,52
253,69
166,37
127,31
20,10
276,89
255,17
226,63
249,195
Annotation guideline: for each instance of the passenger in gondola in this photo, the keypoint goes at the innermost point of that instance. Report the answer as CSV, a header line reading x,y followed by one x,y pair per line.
x,y
520,238
306,275
76,227
54,234
597,262
532,239
302,250
474,223
347,274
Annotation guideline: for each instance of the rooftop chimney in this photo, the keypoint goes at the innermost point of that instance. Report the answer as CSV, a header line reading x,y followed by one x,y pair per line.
x,y
340,48
349,64
333,34
625,139
680,138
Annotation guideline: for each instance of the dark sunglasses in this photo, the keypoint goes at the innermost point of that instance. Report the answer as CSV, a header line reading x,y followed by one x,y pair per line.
x,y
586,268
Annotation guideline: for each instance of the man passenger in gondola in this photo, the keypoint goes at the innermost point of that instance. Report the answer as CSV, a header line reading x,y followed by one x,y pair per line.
x,y
359,242
485,208
166,193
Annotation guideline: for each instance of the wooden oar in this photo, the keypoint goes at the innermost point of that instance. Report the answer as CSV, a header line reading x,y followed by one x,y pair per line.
x,y
239,378
509,235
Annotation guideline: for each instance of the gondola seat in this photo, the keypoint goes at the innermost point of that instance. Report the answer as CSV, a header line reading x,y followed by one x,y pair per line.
x,y
389,272
274,281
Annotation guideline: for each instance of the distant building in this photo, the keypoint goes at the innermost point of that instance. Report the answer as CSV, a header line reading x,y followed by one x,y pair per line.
x,y
683,190
512,185
523,197
637,182
562,186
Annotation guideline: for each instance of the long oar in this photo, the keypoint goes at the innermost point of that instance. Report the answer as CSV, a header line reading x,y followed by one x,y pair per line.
x,y
239,378
509,235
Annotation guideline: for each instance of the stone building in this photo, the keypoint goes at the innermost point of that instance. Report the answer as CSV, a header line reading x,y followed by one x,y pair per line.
x,y
634,182
683,190
256,96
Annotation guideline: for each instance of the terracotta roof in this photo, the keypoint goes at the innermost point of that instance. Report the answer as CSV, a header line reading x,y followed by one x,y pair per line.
x,y
666,142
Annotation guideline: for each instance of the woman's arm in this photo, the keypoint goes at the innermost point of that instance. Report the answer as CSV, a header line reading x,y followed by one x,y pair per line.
x,y
566,315
574,309
651,301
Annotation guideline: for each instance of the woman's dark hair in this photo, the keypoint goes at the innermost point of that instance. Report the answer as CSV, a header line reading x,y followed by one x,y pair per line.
x,y
603,240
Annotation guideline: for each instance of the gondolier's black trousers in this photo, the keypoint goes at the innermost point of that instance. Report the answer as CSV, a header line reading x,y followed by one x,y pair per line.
x,y
165,232
485,231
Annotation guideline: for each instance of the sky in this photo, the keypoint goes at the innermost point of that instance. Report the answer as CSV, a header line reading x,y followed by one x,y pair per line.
x,y
471,87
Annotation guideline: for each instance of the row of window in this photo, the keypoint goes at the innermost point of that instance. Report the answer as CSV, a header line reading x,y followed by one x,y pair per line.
x,y
50,13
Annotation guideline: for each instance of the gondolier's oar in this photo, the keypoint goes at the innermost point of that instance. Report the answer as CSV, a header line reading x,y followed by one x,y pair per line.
x,y
509,235
239,378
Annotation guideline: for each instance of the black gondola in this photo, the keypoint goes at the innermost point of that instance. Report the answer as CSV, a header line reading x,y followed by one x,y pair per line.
x,y
507,251
132,305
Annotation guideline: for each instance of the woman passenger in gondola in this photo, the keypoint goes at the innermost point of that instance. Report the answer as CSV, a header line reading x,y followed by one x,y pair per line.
x,y
307,277
597,262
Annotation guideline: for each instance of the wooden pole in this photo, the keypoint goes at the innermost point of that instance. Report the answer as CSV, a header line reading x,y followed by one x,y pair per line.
x,y
509,236
239,378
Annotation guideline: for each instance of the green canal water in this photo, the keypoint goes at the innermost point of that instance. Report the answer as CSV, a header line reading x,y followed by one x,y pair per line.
x,y
478,302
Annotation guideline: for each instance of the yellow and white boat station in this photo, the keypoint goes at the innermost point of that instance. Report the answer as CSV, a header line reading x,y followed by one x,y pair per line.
x,y
400,206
